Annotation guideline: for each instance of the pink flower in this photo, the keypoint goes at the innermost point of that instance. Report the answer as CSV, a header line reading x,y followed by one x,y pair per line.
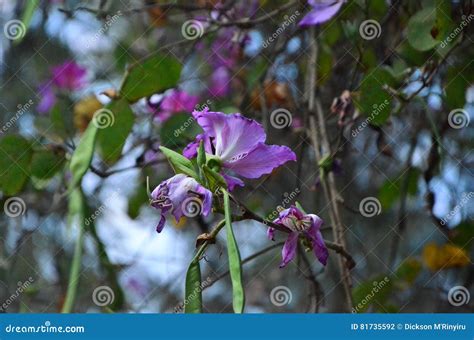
x,y
175,101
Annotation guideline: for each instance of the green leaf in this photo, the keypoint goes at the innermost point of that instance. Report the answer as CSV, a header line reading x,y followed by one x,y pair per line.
x,y
46,163
179,163
115,123
76,209
152,75
459,78
391,190
193,289
214,180
138,199
420,29
463,234
28,12
15,160
375,102
407,272
235,266
375,292
82,157
177,129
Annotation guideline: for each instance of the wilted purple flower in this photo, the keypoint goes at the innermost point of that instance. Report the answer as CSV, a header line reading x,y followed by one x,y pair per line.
x,y
238,144
322,11
300,224
175,101
181,196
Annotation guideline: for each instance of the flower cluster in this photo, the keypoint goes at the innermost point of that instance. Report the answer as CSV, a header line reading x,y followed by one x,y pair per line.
x,y
235,146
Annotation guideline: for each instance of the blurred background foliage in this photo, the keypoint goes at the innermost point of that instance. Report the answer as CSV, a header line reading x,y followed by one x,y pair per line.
x,y
386,103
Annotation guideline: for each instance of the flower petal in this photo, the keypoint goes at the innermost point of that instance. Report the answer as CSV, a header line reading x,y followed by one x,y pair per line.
x,y
289,249
271,233
232,182
161,224
319,247
261,160
234,134
320,13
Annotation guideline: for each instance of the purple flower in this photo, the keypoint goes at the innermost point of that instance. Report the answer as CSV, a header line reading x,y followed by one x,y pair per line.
x,y
48,98
322,11
175,101
220,82
69,76
181,196
238,144
300,224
